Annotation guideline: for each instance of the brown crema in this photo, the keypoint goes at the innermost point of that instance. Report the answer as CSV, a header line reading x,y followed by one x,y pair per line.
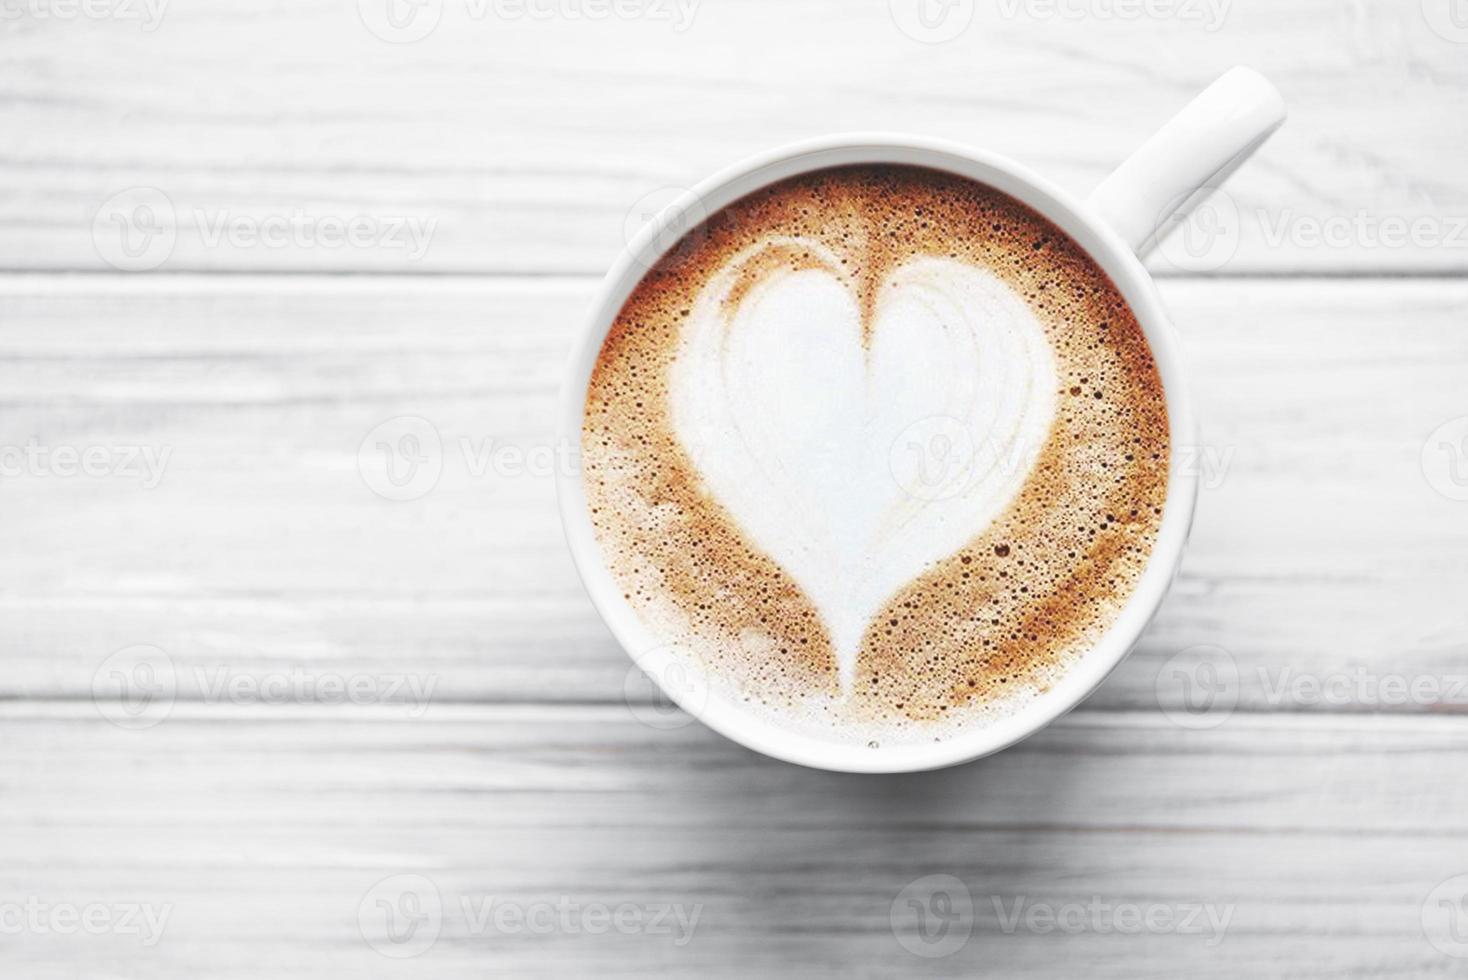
x,y
1004,615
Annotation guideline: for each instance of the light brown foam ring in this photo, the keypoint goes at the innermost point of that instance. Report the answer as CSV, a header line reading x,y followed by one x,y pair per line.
x,y
1006,614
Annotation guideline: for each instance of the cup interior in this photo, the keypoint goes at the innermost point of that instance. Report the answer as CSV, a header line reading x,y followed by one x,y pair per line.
x,y
1082,678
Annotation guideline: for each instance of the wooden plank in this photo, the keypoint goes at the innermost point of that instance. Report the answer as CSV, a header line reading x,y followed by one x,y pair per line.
x,y
260,835
528,143
1320,553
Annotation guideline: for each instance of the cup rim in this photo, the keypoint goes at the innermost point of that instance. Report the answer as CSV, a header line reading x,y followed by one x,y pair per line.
x,y
1124,269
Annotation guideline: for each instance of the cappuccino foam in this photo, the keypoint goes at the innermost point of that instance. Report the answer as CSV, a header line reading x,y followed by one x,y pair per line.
x,y
878,449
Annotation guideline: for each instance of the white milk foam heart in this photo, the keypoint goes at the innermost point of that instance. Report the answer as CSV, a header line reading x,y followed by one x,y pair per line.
x,y
858,466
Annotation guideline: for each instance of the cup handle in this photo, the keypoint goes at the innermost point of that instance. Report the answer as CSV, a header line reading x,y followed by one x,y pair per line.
x,y
1189,157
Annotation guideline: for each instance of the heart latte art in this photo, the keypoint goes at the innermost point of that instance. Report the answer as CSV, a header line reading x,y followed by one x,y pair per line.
x,y
877,450
795,411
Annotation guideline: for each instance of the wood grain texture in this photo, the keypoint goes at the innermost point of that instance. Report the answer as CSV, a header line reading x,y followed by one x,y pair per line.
x,y
1256,755
529,143
1321,553
261,833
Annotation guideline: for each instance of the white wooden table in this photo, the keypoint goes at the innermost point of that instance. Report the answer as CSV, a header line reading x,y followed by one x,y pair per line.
x,y
287,797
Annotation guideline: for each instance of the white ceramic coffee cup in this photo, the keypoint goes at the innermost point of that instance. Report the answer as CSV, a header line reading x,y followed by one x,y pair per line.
x,y
1120,222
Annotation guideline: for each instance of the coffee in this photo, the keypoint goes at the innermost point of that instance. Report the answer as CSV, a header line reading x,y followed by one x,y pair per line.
x,y
879,450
